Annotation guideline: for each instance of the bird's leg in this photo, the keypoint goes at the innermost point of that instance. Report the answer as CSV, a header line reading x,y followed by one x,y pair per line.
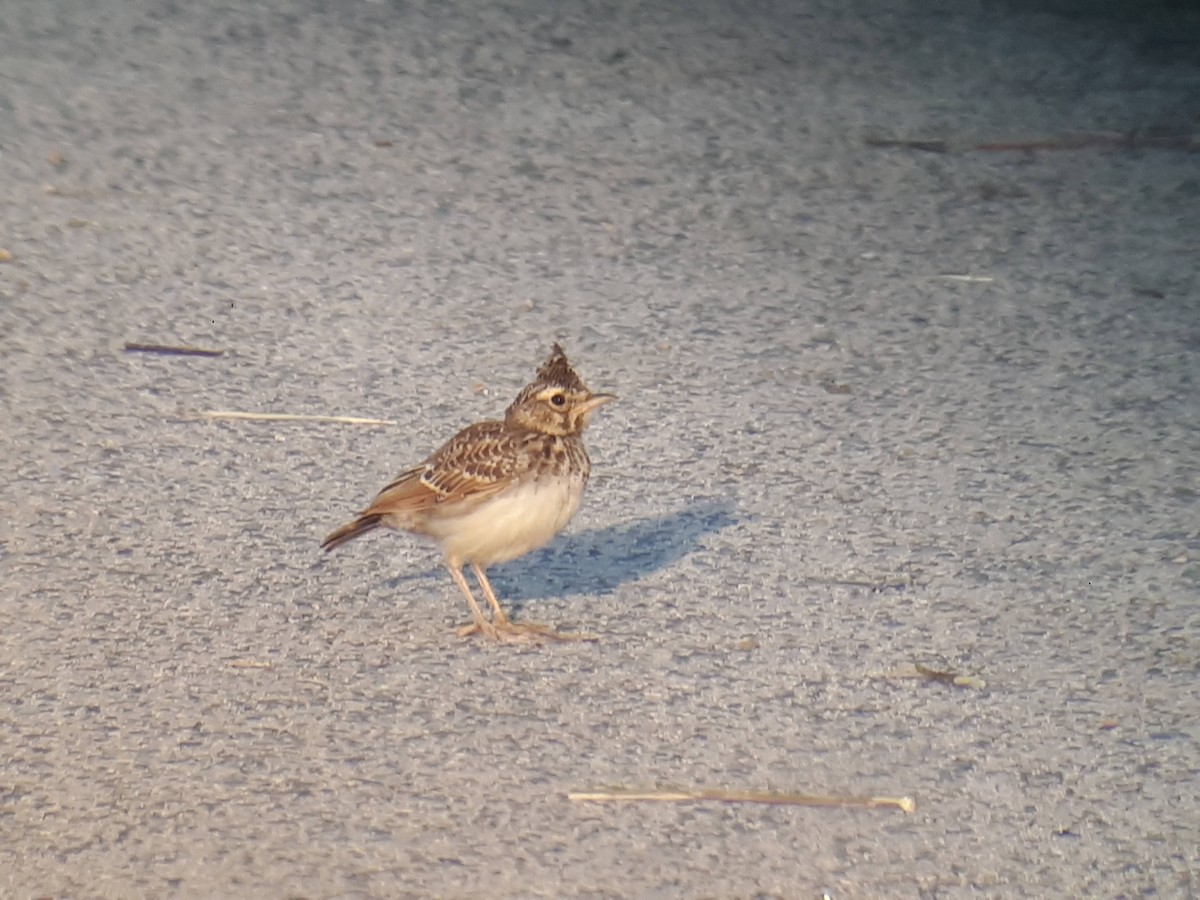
x,y
519,631
498,615
500,627
481,624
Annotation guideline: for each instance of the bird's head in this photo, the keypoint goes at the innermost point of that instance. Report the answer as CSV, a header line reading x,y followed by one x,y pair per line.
x,y
556,401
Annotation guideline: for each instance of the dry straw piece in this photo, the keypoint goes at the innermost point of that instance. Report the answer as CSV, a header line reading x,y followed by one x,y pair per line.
x,y
907,804
291,417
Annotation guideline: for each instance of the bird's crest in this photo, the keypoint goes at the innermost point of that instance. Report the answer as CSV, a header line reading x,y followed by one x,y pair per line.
x,y
558,372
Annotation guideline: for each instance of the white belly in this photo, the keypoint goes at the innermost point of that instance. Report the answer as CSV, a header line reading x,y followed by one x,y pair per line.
x,y
511,524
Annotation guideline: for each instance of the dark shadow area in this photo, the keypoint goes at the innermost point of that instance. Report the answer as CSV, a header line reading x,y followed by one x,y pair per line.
x,y
1165,31
1114,10
598,561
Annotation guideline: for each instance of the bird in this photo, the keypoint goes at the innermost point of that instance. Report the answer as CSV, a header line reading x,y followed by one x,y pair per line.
x,y
496,491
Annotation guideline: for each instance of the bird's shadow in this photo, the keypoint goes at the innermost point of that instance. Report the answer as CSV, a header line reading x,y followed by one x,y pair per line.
x,y
598,561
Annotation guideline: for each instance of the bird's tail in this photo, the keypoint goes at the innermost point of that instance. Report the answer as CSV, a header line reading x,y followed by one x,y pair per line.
x,y
351,530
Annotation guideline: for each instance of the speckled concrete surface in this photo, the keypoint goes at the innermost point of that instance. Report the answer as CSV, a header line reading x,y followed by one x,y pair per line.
x,y
830,462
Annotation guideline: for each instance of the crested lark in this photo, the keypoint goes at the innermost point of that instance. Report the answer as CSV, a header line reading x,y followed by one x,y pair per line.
x,y
496,490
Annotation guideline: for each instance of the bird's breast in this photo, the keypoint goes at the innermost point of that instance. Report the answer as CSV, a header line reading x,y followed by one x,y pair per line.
x,y
512,523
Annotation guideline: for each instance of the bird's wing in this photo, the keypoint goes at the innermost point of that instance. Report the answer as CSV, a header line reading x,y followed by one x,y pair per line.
x,y
479,461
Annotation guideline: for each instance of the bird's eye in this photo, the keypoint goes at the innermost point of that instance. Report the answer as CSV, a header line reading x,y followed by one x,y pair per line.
x,y
558,399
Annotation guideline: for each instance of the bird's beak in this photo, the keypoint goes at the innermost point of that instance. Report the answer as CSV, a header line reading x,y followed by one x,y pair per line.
x,y
590,405
594,402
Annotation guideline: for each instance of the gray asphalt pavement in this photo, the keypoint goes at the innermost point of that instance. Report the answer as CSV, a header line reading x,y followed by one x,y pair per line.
x,y
882,408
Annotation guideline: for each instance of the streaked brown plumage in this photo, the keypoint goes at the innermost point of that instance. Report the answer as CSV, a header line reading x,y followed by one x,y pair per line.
x,y
496,490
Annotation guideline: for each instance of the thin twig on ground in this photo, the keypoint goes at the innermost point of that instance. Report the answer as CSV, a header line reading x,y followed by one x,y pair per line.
x,y
1147,139
171,349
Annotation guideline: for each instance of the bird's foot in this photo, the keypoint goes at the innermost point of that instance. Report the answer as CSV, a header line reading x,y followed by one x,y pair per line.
x,y
521,632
